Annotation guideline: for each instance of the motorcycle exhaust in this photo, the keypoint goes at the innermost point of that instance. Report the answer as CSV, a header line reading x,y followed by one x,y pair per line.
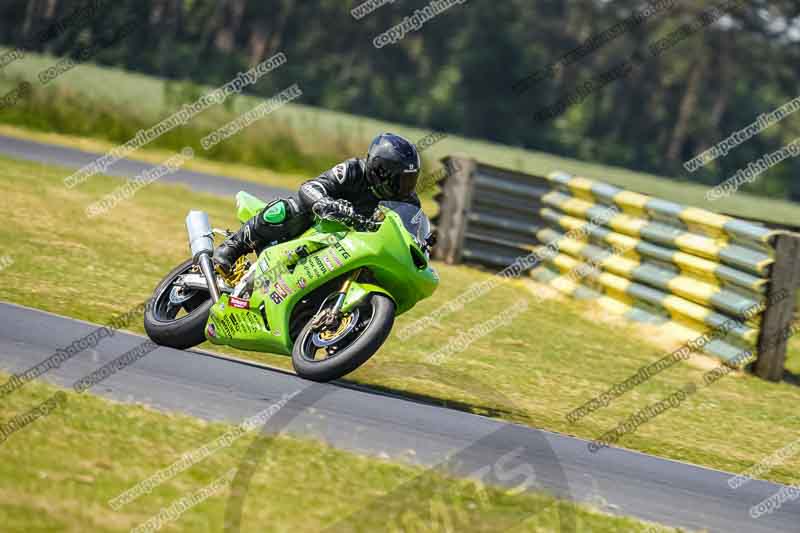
x,y
201,242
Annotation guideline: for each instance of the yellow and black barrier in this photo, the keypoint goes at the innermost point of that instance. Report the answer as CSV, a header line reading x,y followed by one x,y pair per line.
x,y
698,273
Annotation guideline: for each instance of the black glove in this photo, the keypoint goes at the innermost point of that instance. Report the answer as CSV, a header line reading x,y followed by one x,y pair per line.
x,y
331,209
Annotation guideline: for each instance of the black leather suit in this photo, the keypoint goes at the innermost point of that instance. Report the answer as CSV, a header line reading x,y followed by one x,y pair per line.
x,y
345,181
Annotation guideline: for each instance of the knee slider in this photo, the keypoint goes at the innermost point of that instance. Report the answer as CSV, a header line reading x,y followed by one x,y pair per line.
x,y
281,220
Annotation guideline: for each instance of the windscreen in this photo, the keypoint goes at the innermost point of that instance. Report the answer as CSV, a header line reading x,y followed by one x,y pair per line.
x,y
414,220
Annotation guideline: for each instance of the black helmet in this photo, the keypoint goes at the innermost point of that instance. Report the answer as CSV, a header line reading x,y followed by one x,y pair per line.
x,y
392,167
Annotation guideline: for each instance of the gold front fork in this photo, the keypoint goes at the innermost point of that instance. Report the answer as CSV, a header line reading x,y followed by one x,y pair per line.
x,y
343,292
329,318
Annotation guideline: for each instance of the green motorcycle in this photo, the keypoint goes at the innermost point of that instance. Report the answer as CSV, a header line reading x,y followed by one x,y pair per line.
x,y
328,297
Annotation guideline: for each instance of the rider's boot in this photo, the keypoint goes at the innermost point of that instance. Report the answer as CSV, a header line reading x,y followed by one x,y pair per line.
x,y
244,241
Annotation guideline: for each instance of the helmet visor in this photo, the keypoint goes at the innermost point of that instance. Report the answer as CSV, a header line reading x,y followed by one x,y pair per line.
x,y
392,183
407,183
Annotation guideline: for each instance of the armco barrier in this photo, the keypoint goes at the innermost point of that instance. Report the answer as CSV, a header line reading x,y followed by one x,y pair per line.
x,y
695,271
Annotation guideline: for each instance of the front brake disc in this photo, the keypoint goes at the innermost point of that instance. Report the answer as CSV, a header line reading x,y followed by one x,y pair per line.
x,y
325,338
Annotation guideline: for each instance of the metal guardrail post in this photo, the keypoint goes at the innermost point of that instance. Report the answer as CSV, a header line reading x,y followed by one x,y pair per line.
x,y
456,201
779,315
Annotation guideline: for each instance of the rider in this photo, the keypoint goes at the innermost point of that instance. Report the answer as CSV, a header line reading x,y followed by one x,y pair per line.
x,y
353,187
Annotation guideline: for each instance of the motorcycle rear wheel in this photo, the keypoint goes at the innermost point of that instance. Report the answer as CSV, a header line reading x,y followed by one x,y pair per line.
x,y
162,322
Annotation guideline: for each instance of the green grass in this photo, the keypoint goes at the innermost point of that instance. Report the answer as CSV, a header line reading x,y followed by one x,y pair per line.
x,y
553,357
300,138
59,472
59,109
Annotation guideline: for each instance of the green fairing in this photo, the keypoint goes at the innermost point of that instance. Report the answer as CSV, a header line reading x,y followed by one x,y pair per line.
x,y
333,251
359,291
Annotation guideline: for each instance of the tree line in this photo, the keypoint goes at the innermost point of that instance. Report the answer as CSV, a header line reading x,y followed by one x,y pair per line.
x,y
484,69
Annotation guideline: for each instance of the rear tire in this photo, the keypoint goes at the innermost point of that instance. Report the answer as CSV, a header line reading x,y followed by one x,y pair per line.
x,y
358,350
180,333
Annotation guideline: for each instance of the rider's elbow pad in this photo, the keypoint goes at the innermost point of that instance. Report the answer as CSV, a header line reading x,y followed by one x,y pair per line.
x,y
312,193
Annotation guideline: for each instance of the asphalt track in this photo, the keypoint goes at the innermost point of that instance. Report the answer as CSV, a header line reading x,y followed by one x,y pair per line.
x,y
126,168
379,423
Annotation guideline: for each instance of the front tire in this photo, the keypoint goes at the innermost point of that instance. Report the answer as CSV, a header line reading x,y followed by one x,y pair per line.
x,y
161,320
376,318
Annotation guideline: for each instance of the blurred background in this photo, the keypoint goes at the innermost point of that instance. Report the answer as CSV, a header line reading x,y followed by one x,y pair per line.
x,y
455,75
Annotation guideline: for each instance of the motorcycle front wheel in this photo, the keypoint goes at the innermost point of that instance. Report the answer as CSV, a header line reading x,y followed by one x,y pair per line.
x,y
328,355
177,316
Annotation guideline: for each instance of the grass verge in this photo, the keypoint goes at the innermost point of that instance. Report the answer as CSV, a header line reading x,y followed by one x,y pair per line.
x,y
550,359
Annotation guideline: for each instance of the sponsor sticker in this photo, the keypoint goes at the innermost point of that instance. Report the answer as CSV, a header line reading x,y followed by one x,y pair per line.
x,y
342,251
314,268
280,289
318,263
225,327
234,323
239,303
282,282
275,297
